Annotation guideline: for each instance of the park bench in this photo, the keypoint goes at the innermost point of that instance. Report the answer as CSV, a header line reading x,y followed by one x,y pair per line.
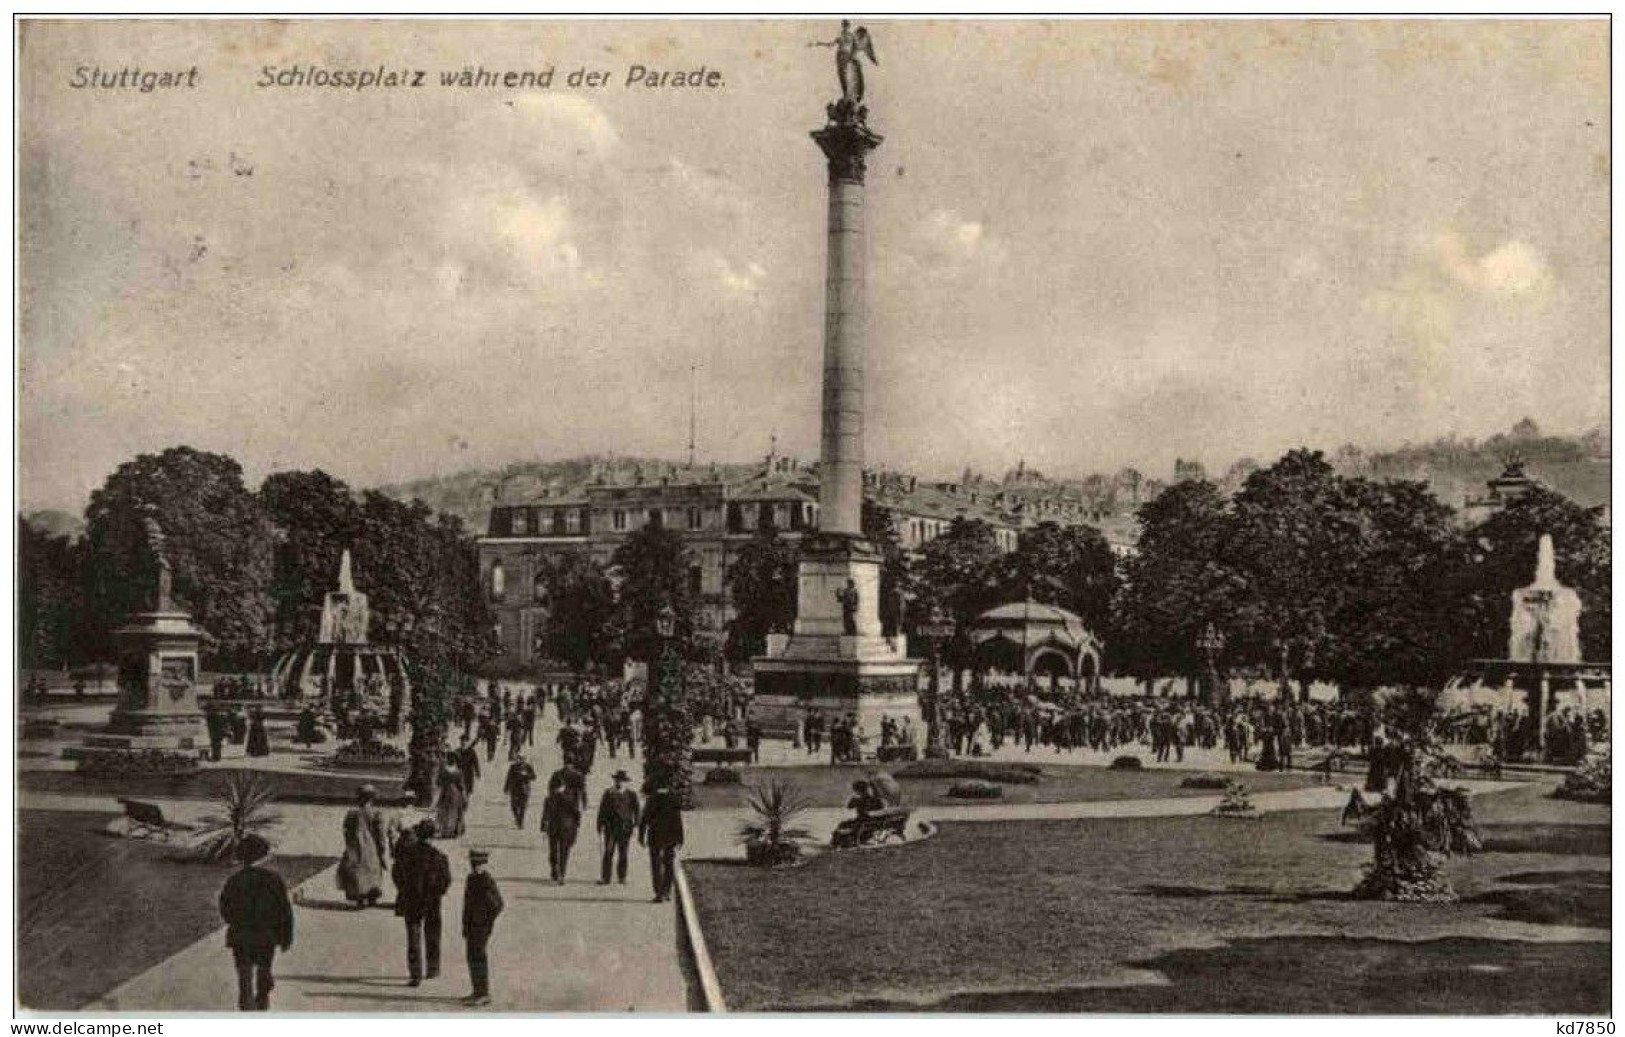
x,y
146,819
718,756
891,823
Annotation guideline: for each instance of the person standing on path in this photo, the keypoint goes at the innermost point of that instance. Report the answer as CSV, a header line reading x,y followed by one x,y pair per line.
x,y
661,830
482,903
617,820
561,821
422,876
259,742
468,765
452,804
259,919
366,851
517,785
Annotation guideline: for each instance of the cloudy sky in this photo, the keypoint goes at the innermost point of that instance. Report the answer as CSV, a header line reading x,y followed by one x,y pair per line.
x,y
1092,243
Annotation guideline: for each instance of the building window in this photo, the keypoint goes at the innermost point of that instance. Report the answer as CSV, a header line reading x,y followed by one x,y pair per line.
x,y
539,588
516,521
694,519
736,519
558,522
781,516
764,516
499,582
618,520
695,576
572,522
657,518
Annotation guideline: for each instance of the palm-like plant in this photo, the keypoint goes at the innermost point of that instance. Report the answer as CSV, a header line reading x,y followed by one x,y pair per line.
x,y
1418,820
771,838
244,799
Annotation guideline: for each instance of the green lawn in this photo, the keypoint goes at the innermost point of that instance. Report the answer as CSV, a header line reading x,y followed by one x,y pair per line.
x,y
94,910
831,786
206,784
1187,915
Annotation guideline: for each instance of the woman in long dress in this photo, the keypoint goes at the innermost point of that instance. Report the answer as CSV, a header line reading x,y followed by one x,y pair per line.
x,y
366,851
259,742
452,804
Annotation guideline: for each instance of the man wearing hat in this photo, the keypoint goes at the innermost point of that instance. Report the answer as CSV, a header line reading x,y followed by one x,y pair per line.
x,y
617,820
422,876
259,919
482,902
517,786
661,829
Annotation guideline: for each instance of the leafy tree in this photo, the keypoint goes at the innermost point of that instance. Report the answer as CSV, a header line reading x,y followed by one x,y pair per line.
x,y
1296,536
317,518
1068,566
580,603
217,541
958,572
1180,580
50,598
1390,627
651,570
1500,558
421,575
762,584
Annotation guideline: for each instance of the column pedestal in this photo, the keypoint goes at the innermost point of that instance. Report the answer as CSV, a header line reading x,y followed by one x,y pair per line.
x,y
159,672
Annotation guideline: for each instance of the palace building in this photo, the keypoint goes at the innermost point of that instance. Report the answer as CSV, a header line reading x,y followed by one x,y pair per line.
x,y
716,516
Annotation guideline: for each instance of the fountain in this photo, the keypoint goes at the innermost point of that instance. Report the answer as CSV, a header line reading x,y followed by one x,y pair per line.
x,y
340,663
1543,652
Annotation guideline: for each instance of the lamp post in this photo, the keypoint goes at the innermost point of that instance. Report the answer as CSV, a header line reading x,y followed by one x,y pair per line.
x,y
1211,642
669,733
935,630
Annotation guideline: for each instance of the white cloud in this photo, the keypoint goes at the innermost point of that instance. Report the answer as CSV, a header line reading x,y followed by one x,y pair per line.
x,y
948,243
1513,268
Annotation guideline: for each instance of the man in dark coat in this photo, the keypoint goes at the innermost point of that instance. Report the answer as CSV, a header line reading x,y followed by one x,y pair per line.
x,y
517,786
561,821
482,903
617,820
215,723
259,919
661,830
468,765
422,875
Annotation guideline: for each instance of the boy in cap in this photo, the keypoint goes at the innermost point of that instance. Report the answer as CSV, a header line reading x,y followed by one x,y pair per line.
x,y
482,903
259,919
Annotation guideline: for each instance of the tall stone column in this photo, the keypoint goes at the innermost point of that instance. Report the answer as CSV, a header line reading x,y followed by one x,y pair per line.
x,y
846,143
837,661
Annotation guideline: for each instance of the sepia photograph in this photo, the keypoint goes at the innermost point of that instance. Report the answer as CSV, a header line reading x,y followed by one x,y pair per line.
x,y
872,515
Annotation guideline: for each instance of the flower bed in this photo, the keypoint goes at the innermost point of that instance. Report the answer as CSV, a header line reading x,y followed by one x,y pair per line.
x,y
975,790
121,763
723,776
1127,763
1204,781
1593,782
371,755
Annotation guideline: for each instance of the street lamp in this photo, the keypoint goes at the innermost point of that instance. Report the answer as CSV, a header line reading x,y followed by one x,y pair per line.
x,y
1211,642
938,628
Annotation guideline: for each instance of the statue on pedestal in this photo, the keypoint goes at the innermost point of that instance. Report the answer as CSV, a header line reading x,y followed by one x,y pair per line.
x,y
851,45
154,535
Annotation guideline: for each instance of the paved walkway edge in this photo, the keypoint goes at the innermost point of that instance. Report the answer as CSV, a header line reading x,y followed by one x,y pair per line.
x,y
710,986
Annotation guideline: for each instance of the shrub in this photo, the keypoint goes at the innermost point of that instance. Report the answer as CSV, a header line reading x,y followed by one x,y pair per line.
x,y
1004,773
1593,782
975,789
1204,781
1127,763
771,839
244,802
1237,802
723,776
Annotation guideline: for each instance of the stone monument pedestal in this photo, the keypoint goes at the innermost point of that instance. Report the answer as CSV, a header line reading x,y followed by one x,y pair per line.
x,y
822,666
159,671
